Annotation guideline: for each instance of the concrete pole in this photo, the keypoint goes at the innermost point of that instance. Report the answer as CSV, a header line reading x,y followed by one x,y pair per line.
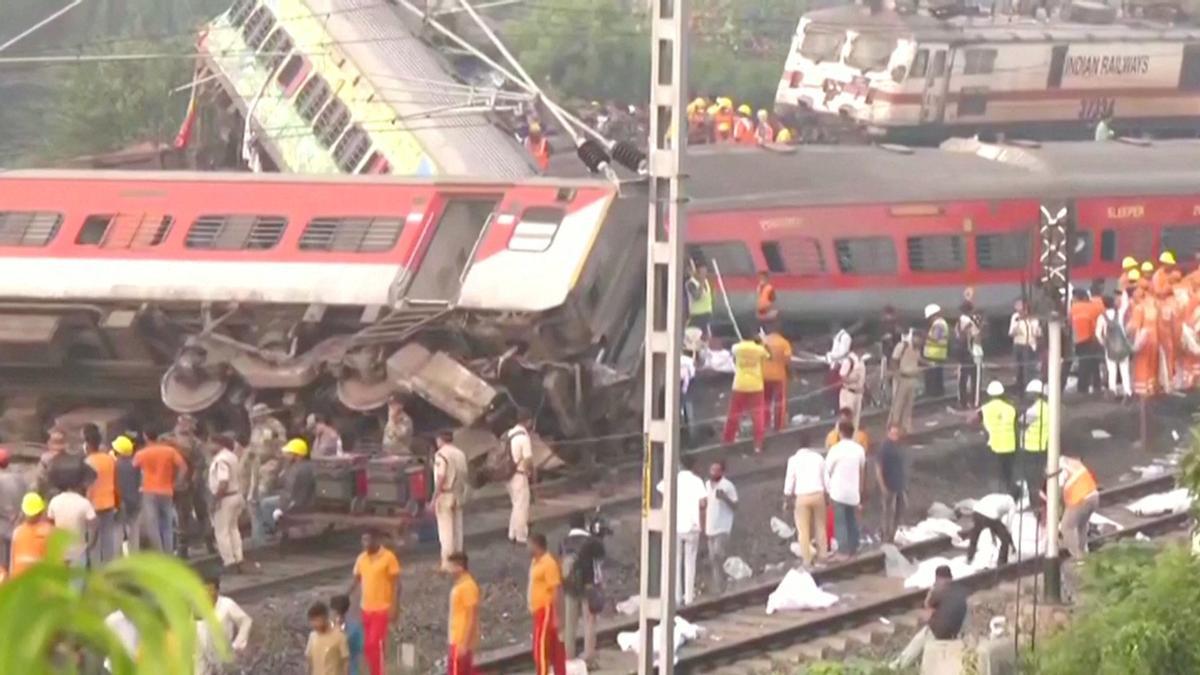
x,y
1053,496
666,228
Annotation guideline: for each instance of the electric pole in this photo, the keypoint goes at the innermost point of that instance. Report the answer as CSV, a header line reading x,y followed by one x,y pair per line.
x,y
1056,237
666,228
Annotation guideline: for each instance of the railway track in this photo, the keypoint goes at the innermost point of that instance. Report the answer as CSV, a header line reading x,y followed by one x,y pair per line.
x,y
740,636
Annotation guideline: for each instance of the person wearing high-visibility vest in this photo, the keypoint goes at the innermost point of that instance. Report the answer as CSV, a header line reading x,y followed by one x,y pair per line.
x,y
935,351
1081,496
538,146
1162,284
747,396
999,418
723,121
1035,439
700,298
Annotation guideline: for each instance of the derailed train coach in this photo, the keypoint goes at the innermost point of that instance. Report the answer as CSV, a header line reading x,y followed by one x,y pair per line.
x,y
215,291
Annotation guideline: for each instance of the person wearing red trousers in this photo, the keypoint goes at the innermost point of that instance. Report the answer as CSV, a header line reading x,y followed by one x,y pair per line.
x,y
747,396
545,582
464,617
776,373
377,570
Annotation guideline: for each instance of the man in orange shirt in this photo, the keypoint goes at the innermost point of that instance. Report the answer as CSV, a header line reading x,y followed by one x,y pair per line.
x,y
161,465
776,373
464,617
378,571
30,537
103,495
1088,353
545,581
765,306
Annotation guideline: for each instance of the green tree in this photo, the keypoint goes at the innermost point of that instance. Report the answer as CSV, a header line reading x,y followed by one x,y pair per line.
x,y
106,105
52,616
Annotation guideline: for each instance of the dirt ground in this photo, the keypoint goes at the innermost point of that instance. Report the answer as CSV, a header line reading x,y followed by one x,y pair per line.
x,y
947,469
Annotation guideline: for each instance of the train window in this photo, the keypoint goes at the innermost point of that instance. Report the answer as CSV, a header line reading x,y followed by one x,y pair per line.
x,y
357,234
275,49
125,230
972,102
236,232
240,10
820,45
28,228
1009,251
871,52
920,64
331,122
1108,246
979,61
350,150
796,255
290,70
1082,248
935,253
939,63
1189,74
258,26
731,256
535,231
93,230
866,255
1182,240
312,98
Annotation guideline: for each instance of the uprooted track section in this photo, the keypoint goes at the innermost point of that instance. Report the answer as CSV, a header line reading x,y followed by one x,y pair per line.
x,y
739,637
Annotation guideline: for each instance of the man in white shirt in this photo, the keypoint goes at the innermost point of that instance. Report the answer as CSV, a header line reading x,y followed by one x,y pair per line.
x,y
988,513
224,483
73,512
687,373
519,486
720,506
844,471
690,517
234,624
1025,332
805,487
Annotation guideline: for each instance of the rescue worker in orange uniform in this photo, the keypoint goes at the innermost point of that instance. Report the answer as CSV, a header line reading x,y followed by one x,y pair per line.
x,y
723,121
697,115
1143,327
538,146
1162,284
776,373
744,127
764,131
31,537
1189,333
1081,496
765,307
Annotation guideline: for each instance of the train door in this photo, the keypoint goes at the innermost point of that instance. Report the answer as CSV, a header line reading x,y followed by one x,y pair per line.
x,y
450,248
933,100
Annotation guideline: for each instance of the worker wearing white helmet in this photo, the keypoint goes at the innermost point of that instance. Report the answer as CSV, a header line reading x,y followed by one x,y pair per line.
x,y
936,351
999,418
1036,438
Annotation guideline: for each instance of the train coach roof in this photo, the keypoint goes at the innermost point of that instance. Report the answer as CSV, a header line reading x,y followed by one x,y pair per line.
x,y
727,177
986,29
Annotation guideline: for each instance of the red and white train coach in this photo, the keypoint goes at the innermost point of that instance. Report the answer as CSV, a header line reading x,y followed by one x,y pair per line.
x,y
916,77
245,285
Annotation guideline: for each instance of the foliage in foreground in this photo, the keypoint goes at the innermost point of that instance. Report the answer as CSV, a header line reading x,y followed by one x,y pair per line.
x,y
1140,615
52,616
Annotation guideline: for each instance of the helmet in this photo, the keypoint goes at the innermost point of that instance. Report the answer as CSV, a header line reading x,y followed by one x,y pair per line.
x,y
1147,267
763,114
1034,387
744,109
1134,275
32,504
260,410
535,128
297,447
930,310
1129,263
725,102
1167,258
122,445
713,110
994,388
784,136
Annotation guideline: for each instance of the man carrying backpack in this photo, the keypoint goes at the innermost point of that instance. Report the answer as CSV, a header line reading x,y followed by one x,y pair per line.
x,y
1110,333
517,466
580,556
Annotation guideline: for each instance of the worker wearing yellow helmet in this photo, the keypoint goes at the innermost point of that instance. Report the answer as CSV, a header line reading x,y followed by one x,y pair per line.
x,y
743,126
1129,264
723,121
29,539
299,486
122,446
785,137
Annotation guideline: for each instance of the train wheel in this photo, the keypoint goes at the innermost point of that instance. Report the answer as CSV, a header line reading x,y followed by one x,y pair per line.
x,y
184,392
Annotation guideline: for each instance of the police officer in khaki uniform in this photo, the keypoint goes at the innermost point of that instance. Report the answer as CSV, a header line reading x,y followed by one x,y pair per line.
x,y
450,490
260,467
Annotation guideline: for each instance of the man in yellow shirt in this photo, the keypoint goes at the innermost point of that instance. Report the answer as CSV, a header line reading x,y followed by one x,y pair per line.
x,y
464,617
747,397
545,580
776,373
378,571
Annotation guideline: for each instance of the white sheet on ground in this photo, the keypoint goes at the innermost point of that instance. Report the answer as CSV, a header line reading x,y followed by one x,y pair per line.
x,y
927,529
685,632
720,360
923,577
798,590
1103,522
1175,501
782,529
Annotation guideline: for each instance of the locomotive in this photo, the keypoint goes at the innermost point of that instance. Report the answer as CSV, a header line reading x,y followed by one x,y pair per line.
x,y
214,291
917,77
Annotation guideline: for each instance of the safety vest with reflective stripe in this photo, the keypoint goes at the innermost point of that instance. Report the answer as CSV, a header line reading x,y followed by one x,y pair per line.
x,y
937,342
1080,483
1037,431
704,303
1000,421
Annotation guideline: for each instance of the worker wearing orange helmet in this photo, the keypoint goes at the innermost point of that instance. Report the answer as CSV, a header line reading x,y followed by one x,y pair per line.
x,y
723,120
744,127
